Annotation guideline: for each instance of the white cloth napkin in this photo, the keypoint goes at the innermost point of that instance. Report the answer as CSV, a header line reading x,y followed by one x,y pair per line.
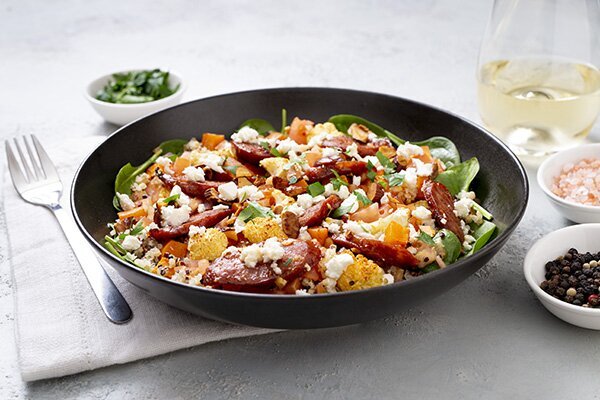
x,y
60,328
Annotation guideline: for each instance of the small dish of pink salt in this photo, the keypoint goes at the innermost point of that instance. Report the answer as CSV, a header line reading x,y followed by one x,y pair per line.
x,y
571,181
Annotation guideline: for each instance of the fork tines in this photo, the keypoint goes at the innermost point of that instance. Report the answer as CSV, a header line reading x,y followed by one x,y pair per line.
x,y
29,163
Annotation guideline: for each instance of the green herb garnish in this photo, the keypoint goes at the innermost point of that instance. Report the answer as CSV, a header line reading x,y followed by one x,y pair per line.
x,y
395,179
171,199
254,210
362,198
337,182
137,87
315,189
387,164
371,174
283,119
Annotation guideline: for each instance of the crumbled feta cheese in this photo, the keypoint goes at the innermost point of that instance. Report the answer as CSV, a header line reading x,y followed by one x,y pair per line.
x,y
422,168
329,152
228,191
372,137
407,150
335,267
303,234
343,192
164,161
462,207
352,150
196,230
221,207
194,174
351,203
131,243
125,202
210,160
245,135
175,216
332,225
302,292
179,276
153,253
469,240
424,215
384,199
270,250
249,192
183,198
296,209
143,264
138,187
388,279
304,200
410,179
195,280
356,180
289,145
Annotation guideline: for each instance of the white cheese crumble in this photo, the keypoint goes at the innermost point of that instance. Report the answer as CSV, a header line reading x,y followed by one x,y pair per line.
x,y
196,230
270,250
302,292
422,168
332,225
287,145
303,234
335,267
388,279
329,152
352,150
374,161
249,192
424,215
221,207
194,174
245,135
125,202
183,199
175,216
131,243
356,180
228,191
138,187
343,192
179,276
305,200
350,203
209,159
384,199
407,150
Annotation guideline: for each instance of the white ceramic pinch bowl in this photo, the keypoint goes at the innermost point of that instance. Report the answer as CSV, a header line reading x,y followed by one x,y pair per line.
x,y
582,237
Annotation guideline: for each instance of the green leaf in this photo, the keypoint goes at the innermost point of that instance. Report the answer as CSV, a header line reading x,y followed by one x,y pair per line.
x,y
343,122
171,199
137,87
137,229
371,174
485,213
395,179
482,234
315,189
458,177
254,210
425,238
441,148
231,168
362,198
430,268
283,120
387,164
451,244
127,174
341,211
262,126
337,182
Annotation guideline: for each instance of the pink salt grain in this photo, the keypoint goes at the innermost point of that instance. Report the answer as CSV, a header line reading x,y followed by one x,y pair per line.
x,y
580,182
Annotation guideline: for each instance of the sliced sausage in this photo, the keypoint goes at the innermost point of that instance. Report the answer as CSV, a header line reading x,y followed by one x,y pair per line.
x,y
207,218
230,273
315,214
290,224
387,255
441,203
342,167
340,142
250,152
191,188
371,148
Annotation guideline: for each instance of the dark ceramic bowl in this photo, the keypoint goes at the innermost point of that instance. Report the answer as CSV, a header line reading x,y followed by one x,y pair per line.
x,y
501,185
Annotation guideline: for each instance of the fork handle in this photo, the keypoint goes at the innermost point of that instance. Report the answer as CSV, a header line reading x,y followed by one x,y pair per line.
x,y
111,300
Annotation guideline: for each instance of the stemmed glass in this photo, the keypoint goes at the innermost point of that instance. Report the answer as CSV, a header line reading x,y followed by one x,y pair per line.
x,y
538,77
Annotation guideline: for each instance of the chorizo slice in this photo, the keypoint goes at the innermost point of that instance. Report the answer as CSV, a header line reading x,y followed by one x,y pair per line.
x,y
383,253
315,214
441,203
340,142
207,218
250,152
230,273
189,187
321,173
371,148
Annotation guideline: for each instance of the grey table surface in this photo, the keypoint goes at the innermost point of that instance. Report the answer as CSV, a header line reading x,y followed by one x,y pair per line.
x,y
487,338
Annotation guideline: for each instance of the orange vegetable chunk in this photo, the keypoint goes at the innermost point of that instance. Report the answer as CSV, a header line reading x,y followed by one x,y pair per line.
x,y
134,212
212,140
175,248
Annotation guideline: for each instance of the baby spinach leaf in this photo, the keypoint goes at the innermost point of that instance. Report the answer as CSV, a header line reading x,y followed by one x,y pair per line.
x,y
127,174
458,177
441,148
482,234
343,121
430,268
425,238
263,127
451,244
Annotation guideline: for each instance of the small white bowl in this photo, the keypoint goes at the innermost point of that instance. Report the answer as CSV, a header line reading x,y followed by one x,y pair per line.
x,y
584,238
121,114
552,167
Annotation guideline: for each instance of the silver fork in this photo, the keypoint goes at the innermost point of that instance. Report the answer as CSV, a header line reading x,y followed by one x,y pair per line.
x,y
35,179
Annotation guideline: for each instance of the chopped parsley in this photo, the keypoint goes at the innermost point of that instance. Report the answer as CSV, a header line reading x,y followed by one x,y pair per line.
x,y
171,199
315,189
337,182
254,210
362,198
371,174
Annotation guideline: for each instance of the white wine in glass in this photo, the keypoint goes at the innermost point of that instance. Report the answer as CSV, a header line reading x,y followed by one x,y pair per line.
x,y
537,93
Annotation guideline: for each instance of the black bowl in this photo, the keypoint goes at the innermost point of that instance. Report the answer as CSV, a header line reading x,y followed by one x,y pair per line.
x,y
501,185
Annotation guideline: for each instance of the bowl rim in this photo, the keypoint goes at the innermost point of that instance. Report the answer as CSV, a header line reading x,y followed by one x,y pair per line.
x,y
490,247
529,266
542,173
93,100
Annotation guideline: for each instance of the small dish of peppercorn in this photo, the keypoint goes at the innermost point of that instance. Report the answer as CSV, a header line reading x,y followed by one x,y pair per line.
x,y
563,270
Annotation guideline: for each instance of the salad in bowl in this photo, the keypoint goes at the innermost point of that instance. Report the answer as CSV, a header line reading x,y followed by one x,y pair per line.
x,y
309,208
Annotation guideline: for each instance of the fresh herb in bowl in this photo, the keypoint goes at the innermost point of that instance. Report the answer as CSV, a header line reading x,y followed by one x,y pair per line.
x,y
137,87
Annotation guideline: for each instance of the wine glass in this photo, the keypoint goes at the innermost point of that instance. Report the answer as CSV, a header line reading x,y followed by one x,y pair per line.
x,y
538,77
